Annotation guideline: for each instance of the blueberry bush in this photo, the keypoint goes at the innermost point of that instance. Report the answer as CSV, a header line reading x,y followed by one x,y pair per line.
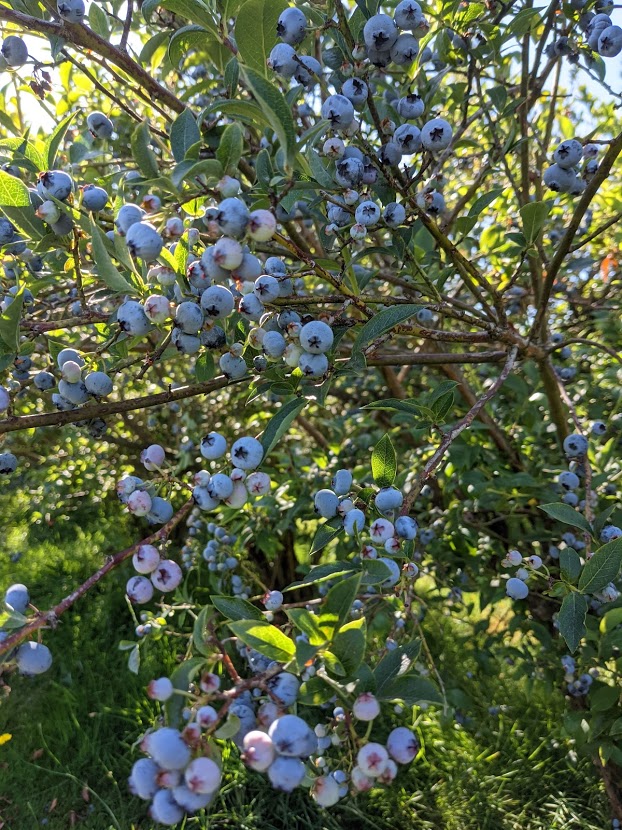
x,y
323,300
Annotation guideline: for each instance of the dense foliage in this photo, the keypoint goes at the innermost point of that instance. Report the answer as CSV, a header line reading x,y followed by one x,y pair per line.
x,y
322,300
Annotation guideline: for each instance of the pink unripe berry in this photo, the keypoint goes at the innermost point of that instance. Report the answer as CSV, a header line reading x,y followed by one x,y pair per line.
x,y
372,758
361,782
157,308
146,559
167,576
139,590
202,776
207,716
209,682
366,707
160,689
139,503
261,225
325,791
259,751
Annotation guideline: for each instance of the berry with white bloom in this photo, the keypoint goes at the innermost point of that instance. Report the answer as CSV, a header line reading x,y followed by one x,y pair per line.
x,y
516,589
372,759
402,745
160,689
366,707
259,752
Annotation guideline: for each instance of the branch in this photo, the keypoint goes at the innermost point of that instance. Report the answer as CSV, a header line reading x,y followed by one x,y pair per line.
x,y
434,358
99,410
50,617
455,431
80,35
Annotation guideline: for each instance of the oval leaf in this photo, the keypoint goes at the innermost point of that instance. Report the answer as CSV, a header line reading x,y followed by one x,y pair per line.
x,y
384,462
602,568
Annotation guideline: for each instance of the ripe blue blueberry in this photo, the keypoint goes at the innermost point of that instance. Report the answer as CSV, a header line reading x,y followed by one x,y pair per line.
x,y
98,384
144,241
575,446
388,499
291,26
246,453
568,154
161,511
326,503
94,198
367,213
14,51
436,134
380,32
282,60
410,106
33,658
338,110
55,184
99,124
317,337
408,15
189,317
132,318
17,597
71,10
313,365
404,50
342,482
127,216
356,91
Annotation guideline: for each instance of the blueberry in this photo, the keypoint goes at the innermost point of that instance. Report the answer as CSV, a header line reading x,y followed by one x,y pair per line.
x,y
610,42
132,318
94,198
213,446
568,480
342,482
367,213
98,384
575,446
99,125
143,779
380,32
338,110
232,217
408,137
516,588
317,337
231,366
410,106
599,428
55,184
14,51
408,15
188,344
356,91
247,453
349,172
436,134
161,511
71,10
282,60
189,317
313,365
17,598
326,503
273,344
144,241
388,499
308,72
291,26
559,179
404,50
33,658
266,288
568,154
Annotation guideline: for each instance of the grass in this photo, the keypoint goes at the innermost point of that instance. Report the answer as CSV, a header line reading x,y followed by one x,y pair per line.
x,y
72,730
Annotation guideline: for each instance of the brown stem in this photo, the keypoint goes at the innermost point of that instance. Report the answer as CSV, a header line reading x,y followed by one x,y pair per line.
x,y
50,617
80,35
455,431
98,410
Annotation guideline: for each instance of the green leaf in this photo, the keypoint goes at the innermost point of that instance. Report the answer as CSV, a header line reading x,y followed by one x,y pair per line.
x,y
602,568
230,148
384,462
265,638
318,170
142,153
26,221
308,624
315,692
105,268
280,422
325,533
571,619
191,169
603,697
133,660
199,631
323,572
255,31
374,572
204,367
333,663
181,678
338,603
13,192
236,609
13,619
277,109
98,20
229,728
55,139
349,645
568,515
9,322
482,202
569,564
411,689
193,10
395,663
184,133
232,76
383,322
534,216
185,41
409,406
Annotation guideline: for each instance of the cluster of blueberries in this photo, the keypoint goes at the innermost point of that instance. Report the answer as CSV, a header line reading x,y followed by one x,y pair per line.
x,y
569,481
387,40
182,773
564,176
598,33
340,501
577,686
31,657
